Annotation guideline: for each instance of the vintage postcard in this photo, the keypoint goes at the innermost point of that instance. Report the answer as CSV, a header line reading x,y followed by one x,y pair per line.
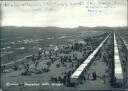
x,y
63,45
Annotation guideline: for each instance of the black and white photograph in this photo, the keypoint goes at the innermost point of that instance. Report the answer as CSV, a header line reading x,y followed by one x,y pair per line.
x,y
63,45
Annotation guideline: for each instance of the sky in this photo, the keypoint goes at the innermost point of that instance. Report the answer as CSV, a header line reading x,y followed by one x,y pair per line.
x,y
65,13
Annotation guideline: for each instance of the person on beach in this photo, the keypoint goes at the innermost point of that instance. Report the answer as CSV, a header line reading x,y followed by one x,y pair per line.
x,y
94,75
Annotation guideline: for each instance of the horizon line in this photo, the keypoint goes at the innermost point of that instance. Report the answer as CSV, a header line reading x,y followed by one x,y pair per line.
x,y
66,27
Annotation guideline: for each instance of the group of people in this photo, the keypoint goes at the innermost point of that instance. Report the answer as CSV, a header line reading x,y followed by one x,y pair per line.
x,y
64,78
